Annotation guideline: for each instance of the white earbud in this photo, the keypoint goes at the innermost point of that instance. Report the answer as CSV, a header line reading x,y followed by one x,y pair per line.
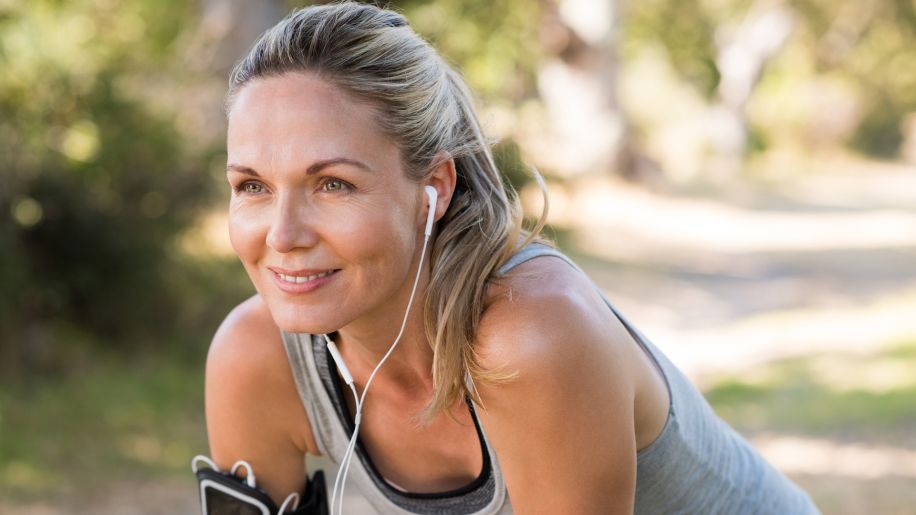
x,y
430,218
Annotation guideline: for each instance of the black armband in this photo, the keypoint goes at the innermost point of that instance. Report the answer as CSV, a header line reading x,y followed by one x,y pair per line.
x,y
224,493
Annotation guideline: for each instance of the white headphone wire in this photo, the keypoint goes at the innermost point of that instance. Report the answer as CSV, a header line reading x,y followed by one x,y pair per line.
x,y
348,455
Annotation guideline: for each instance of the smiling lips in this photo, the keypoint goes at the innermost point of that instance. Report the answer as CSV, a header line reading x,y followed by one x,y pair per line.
x,y
301,281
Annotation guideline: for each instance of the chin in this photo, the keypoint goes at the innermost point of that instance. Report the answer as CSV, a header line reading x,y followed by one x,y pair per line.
x,y
299,319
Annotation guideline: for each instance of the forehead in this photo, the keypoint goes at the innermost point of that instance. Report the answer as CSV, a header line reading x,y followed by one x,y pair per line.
x,y
294,117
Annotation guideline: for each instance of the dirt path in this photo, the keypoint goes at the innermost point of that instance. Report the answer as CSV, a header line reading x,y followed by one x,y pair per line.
x,y
780,274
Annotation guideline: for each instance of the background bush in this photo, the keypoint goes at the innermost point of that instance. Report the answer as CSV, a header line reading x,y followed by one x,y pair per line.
x,y
97,183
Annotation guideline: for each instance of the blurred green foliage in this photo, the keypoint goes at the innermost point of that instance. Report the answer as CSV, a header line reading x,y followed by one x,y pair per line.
x,y
685,29
869,47
97,183
873,45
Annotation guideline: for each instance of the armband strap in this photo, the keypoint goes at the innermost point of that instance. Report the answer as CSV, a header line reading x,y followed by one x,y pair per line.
x,y
227,494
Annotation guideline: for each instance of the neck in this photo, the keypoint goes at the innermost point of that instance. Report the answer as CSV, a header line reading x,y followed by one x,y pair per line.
x,y
364,342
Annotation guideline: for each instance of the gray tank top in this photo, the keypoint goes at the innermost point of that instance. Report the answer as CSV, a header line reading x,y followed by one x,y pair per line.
x,y
697,464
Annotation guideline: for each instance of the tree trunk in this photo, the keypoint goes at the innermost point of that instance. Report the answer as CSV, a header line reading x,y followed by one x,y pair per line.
x,y
588,133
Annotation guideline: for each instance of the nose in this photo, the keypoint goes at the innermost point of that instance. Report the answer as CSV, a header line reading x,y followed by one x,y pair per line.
x,y
291,227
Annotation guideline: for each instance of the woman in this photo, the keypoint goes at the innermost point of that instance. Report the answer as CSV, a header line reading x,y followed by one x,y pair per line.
x,y
511,378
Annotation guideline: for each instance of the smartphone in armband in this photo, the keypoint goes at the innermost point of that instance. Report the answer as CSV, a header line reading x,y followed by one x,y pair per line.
x,y
224,493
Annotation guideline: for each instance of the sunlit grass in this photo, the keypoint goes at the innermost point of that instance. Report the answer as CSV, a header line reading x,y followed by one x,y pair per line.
x,y
827,394
118,418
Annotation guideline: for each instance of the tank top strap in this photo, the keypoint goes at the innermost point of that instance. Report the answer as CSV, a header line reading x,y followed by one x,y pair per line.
x,y
531,251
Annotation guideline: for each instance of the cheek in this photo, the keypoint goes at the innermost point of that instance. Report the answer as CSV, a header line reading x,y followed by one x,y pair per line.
x,y
247,232
379,237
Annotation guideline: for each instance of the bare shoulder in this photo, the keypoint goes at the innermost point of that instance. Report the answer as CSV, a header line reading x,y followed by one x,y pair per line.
x,y
252,406
546,311
247,352
563,427
247,341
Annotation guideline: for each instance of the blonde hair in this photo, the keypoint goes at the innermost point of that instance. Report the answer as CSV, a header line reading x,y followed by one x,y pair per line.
x,y
424,106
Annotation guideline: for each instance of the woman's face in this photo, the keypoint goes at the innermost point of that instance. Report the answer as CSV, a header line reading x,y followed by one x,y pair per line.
x,y
322,215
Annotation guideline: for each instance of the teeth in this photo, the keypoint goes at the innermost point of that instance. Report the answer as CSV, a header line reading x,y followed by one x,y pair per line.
x,y
301,279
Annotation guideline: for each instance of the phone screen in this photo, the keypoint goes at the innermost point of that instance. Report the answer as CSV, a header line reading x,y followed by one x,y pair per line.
x,y
221,503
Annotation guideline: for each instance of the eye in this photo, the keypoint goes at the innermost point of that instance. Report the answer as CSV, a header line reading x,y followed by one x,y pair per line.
x,y
332,185
250,187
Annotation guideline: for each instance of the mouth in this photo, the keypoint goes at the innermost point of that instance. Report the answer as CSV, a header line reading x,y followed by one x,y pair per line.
x,y
302,279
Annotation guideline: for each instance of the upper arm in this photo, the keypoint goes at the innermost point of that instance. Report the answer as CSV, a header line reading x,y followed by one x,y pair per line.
x,y
563,430
252,407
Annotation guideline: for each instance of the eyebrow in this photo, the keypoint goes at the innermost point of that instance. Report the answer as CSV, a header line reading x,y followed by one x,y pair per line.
x,y
311,170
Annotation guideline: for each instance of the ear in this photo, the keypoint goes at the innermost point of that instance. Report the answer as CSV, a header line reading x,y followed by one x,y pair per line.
x,y
443,178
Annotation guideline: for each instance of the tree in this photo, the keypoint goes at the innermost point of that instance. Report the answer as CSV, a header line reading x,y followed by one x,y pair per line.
x,y
98,182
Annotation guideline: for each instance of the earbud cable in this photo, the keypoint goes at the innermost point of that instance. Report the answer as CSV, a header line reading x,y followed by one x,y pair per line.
x,y
351,446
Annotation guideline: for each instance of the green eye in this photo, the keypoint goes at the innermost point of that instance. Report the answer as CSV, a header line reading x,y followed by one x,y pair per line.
x,y
333,185
252,187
